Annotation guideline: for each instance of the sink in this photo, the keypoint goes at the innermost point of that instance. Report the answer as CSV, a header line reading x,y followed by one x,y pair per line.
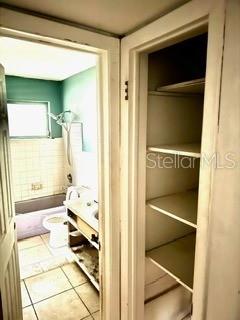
x,y
96,215
90,214
86,210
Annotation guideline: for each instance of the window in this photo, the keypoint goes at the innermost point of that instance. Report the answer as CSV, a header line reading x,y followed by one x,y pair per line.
x,y
28,119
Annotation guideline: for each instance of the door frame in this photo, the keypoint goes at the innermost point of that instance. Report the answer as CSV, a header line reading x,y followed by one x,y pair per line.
x,y
32,28
183,22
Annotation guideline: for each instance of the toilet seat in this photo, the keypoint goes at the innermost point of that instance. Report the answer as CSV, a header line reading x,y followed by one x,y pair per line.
x,y
53,220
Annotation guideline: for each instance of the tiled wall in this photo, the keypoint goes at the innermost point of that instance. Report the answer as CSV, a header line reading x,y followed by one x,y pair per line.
x,y
39,162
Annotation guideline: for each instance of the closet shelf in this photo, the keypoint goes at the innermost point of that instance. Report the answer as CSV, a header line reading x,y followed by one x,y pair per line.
x,y
177,259
180,206
187,149
193,86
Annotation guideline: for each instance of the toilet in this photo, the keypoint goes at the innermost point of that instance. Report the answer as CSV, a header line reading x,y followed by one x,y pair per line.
x,y
57,223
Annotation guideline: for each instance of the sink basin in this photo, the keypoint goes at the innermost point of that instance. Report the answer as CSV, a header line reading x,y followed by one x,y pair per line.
x,y
87,211
90,214
96,215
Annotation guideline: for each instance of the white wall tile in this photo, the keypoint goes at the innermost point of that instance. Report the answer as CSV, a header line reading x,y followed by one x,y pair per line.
x,y
37,161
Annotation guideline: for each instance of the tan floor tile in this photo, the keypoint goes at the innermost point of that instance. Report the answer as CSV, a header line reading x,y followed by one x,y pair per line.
x,y
30,242
89,296
55,251
47,284
29,314
33,255
53,263
30,270
96,315
45,237
62,251
65,306
74,274
25,297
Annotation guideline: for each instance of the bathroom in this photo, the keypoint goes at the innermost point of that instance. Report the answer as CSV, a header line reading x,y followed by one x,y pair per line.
x,y
52,110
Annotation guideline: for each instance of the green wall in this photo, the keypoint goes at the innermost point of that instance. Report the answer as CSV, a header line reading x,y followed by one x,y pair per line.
x,y
80,96
26,89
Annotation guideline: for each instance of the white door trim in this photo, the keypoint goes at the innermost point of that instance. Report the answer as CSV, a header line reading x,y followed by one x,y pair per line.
x,y
179,24
21,25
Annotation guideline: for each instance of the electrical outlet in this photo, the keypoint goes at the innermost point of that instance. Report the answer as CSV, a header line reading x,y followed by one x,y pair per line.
x,y
37,186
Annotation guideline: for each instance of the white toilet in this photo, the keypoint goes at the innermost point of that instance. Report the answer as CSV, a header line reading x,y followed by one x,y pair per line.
x,y
57,223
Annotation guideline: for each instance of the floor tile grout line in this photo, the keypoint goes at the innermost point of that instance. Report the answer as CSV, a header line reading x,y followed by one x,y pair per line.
x,y
35,311
42,261
36,245
66,277
77,293
82,301
39,245
87,317
54,295
70,280
57,267
44,271
30,299
34,303
27,294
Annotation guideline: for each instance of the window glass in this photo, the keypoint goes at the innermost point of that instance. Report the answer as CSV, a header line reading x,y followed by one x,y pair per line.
x,y
28,120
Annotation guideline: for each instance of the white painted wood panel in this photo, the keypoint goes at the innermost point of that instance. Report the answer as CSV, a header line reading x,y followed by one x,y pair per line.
x,y
174,305
192,86
161,229
168,174
157,281
180,206
224,239
186,149
177,259
174,119
9,268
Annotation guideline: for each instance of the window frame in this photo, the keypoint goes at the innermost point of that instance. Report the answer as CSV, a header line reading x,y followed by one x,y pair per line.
x,y
49,131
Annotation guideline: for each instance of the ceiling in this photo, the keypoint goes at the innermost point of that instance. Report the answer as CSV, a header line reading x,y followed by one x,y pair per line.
x,y
119,17
34,60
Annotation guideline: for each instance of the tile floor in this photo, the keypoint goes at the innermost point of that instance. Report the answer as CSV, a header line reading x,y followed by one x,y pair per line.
x,y
53,286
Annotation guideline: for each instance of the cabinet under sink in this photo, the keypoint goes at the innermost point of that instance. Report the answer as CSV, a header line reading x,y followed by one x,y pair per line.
x,y
83,238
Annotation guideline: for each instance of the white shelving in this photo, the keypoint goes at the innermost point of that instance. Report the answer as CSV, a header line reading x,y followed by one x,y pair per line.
x,y
177,259
186,149
193,86
74,224
180,206
85,269
172,137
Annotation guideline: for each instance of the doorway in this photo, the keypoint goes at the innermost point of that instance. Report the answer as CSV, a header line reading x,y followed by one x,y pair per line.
x,y
61,156
32,28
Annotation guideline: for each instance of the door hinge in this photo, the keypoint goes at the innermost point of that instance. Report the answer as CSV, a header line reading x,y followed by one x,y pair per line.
x,y
191,312
126,90
14,225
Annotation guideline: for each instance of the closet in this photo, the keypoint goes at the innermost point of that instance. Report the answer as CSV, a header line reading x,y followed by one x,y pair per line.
x,y
176,77
171,72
